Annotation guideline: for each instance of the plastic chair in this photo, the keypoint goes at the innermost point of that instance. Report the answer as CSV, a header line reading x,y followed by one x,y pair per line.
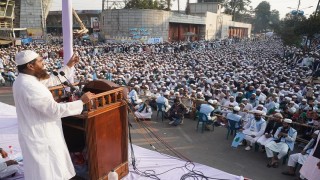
x,y
11,80
203,118
160,107
232,129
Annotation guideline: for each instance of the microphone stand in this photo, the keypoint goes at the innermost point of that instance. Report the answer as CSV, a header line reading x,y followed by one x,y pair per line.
x,y
66,96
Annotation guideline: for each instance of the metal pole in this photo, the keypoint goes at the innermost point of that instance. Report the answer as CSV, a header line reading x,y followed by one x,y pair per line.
x,y
67,30
318,8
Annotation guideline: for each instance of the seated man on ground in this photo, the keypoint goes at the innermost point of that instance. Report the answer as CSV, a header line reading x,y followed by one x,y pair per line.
x,y
284,140
7,167
302,156
176,112
273,124
208,110
144,110
254,129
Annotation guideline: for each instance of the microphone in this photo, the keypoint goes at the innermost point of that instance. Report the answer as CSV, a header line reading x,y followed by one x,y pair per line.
x,y
69,83
64,89
55,73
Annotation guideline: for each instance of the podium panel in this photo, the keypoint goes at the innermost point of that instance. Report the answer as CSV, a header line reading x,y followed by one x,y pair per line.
x,y
102,129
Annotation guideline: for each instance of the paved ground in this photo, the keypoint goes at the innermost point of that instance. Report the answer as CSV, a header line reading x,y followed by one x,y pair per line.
x,y
210,148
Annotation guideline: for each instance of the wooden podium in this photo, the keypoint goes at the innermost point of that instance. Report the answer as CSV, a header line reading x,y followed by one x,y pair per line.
x,y
102,129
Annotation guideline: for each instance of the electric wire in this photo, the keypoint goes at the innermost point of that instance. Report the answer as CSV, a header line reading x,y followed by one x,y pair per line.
x,y
192,173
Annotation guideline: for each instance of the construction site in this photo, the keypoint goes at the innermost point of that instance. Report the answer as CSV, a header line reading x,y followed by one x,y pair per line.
x,y
26,20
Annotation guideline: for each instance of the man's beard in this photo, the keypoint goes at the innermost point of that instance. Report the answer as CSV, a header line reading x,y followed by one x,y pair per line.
x,y
42,74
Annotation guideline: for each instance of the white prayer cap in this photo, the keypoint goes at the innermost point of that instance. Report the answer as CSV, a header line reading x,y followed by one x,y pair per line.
x,y
26,56
289,121
136,86
167,93
316,132
236,108
304,100
257,112
210,101
139,101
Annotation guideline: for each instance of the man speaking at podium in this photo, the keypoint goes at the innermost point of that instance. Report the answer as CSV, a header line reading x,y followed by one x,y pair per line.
x,y
43,146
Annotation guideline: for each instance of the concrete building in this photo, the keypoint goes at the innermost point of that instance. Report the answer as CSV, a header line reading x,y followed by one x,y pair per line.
x,y
206,21
90,18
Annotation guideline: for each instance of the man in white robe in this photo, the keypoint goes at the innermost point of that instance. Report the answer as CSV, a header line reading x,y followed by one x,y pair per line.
x,y
284,140
143,110
254,129
133,95
302,156
7,167
44,150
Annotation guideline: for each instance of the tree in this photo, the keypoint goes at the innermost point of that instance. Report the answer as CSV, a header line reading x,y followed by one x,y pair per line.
x,y
262,17
148,4
293,27
275,17
237,8
308,27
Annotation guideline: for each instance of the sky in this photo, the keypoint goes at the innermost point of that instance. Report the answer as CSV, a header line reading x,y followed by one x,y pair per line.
x,y
280,5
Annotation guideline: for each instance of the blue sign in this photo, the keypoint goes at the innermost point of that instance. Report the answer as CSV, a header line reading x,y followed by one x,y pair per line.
x,y
26,40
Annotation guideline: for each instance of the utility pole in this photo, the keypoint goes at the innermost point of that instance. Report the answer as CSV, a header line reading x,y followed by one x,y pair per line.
x,y
298,6
318,8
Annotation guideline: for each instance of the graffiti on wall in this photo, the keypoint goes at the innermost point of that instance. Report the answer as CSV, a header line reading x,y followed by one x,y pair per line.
x,y
138,33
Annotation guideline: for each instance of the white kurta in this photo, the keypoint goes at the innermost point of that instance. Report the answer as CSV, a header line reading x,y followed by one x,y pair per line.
x,y
5,170
144,114
263,140
43,146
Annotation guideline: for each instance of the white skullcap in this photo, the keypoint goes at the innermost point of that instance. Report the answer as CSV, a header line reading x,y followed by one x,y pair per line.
x,y
139,101
316,132
236,108
214,102
136,86
257,112
210,101
304,100
167,93
26,56
287,121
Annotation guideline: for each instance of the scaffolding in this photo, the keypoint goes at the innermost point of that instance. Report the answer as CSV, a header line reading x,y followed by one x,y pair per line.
x,y
6,21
